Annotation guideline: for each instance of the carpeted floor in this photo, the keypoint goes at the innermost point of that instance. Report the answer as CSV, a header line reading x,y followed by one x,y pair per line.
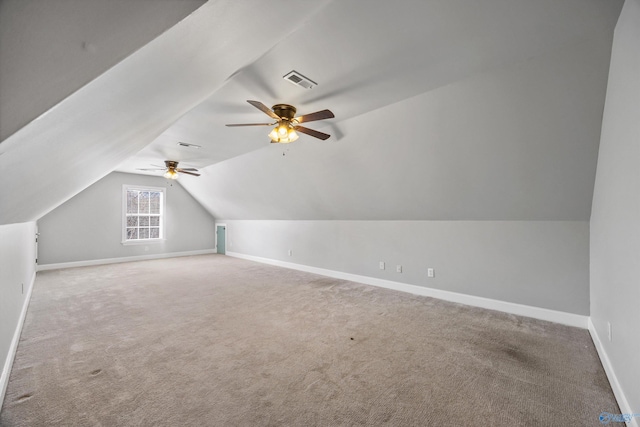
x,y
218,341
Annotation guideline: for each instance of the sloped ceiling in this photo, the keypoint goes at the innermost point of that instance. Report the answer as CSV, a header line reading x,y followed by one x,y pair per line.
x,y
85,136
446,109
50,49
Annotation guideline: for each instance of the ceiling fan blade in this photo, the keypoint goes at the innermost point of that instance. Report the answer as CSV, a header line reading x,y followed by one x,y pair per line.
x,y
311,132
250,124
260,106
154,169
318,115
189,173
187,169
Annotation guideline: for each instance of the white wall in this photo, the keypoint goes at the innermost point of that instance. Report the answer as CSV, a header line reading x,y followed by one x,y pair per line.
x,y
17,272
536,263
615,218
88,226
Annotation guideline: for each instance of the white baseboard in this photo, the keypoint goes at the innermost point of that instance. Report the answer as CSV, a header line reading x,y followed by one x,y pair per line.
x,y
8,363
123,259
623,403
570,319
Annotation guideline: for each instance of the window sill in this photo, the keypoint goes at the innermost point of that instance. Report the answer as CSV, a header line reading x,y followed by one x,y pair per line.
x,y
142,242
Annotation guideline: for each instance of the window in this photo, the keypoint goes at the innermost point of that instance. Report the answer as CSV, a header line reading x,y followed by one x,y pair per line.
x,y
143,214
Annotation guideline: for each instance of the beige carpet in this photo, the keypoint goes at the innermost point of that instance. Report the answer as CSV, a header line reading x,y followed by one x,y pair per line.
x,y
217,341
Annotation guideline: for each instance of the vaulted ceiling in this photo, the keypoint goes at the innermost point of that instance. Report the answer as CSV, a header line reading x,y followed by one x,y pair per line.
x,y
445,109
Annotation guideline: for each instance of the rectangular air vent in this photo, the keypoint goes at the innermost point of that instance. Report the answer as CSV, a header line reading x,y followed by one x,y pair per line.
x,y
299,80
187,145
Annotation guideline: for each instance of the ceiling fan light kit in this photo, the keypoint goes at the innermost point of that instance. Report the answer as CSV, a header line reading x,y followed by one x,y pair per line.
x,y
287,125
283,133
171,174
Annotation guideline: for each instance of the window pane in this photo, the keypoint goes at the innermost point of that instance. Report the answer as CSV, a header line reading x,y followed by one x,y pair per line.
x,y
143,203
144,233
132,201
143,216
154,202
132,233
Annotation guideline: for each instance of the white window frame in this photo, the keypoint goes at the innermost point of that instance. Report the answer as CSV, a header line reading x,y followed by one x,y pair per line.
x,y
125,189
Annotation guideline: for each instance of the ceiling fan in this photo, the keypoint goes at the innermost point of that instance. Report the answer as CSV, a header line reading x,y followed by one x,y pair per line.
x,y
172,170
286,124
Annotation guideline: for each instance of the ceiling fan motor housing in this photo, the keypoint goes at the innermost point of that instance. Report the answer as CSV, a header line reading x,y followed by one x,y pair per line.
x,y
284,111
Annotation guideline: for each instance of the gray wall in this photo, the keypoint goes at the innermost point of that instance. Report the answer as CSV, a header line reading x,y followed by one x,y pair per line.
x,y
17,268
536,263
615,219
88,226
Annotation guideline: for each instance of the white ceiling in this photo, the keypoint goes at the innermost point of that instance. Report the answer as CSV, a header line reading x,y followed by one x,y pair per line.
x,y
445,109
369,57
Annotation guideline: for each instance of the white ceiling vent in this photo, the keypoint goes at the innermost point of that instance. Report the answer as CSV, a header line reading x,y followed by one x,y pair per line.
x,y
187,145
299,80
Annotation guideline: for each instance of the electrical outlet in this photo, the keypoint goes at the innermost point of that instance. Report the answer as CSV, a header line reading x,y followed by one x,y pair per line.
x,y
381,265
609,330
290,252
431,272
398,268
